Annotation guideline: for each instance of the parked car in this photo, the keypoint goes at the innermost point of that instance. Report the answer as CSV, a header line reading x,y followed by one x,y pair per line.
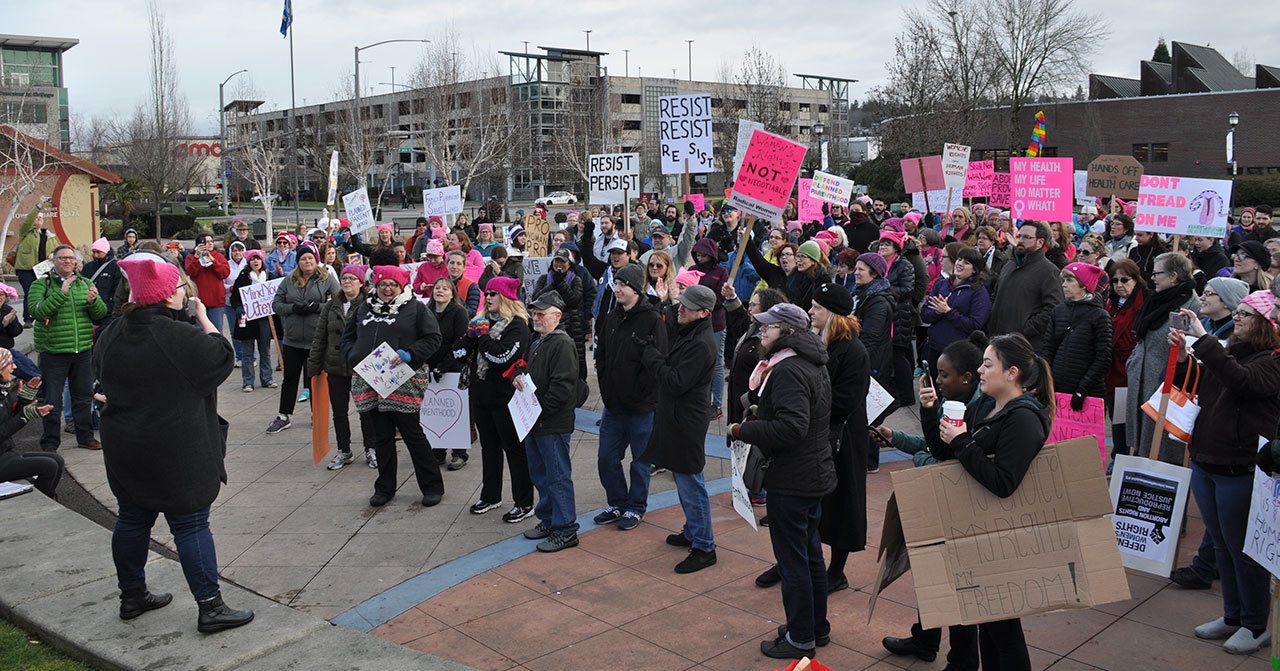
x,y
557,198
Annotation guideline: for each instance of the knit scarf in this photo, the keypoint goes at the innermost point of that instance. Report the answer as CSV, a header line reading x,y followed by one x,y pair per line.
x,y
760,375
389,308
1155,312
863,291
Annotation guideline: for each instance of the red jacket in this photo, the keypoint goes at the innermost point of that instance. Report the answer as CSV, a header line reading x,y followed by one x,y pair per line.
x,y
208,279
1123,338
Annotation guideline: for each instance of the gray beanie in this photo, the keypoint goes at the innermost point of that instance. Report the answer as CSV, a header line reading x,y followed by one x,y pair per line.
x,y
631,275
1230,290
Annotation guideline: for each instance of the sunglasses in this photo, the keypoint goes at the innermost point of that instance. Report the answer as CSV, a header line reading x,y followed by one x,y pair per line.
x,y
657,265
491,294
1122,280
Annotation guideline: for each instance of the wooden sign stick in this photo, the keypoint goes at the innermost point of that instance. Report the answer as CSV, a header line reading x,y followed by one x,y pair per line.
x,y
748,223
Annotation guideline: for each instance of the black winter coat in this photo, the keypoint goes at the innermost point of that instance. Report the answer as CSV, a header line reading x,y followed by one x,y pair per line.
x,y
745,357
1078,347
998,450
501,355
160,437
903,288
798,286
843,525
875,312
553,369
569,286
678,441
1030,286
1239,402
627,386
412,328
13,330
106,280
326,345
453,339
792,420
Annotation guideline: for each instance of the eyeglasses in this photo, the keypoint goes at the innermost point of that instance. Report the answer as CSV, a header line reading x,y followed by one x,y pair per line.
x,y
1155,273
64,258
1027,237
1241,314
1087,252
387,284
657,265
1240,256
1207,293
350,278
786,254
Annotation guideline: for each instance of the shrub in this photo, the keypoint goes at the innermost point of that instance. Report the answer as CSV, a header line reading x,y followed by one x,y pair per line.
x,y
112,229
1253,190
169,223
210,212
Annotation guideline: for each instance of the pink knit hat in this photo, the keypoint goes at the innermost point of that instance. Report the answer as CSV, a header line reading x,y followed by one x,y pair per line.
x,y
435,219
689,277
254,253
485,227
435,248
439,233
101,245
897,237
10,292
357,270
914,217
1262,301
390,228
507,287
1088,274
794,226
150,282
394,273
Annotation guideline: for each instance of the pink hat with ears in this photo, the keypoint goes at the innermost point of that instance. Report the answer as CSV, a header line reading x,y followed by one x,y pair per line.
x,y
794,226
254,254
689,277
435,248
438,233
101,245
1263,301
915,217
897,237
390,228
9,291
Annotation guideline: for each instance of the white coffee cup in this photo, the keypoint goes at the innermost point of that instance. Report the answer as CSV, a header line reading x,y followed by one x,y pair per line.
x,y
953,412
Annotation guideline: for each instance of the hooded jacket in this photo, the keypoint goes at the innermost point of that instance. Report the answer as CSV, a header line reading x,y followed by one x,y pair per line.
x,y
627,386
683,376
1211,261
1030,286
792,420
450,357
1078,347
208,279
326,345
588,282
714,278
862,232
903,288
64,322
998,450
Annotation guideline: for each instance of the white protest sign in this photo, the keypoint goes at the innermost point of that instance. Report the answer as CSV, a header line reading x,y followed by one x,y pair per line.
x,y
43,268
745,129
878,400
741,497
610,175
524,407
445,416
831,189
257,298
1079,183
333,179
534,268
359,211
442,201
1148,499
1262,533
684,127
381,373
942,200
1183,206
955,164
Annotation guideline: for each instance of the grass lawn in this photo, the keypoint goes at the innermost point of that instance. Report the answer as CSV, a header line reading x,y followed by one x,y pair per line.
x,y
20,652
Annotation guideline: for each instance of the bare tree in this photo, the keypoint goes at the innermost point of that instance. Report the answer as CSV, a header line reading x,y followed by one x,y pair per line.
x,y
25,162
260,160
1242,59
583,128
360,139
755,89
914,102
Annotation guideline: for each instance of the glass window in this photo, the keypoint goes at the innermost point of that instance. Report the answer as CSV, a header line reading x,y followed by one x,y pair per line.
x,y
1142,152
1160,152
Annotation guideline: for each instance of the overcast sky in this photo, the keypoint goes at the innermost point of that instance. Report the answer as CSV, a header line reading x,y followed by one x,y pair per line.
x,y
107,72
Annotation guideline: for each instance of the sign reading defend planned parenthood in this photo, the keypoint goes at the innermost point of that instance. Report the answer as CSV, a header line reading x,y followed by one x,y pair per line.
x,y
684,125
611,175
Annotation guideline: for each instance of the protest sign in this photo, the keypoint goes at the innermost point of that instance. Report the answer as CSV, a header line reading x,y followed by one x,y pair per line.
x,y
319,417
524,407
445,416
442,201
923,174
942,200
1078,180
1148,498
1183,206
745,129
612,178
808,208
699,201
43,268
768,172
383,370
1113,175
535,267
684,128
979,558
1262,534
738,452
955,165
878,400
829,188
333,179
1000,190
537,235
1041,188
977,181
1088,421
359,211
257,298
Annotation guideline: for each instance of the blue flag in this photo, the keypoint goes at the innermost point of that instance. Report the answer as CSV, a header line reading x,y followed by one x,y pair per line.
x,y
287,19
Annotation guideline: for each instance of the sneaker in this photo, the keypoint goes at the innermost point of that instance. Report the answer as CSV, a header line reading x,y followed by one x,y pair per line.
x,y
696,561
654,470
339,460
68,426
272,385
679,540
1243,642
237,363
280,423
304,396
820,641
371,458
247,388
456,463
759,499
543,530
481,507
1217,630
558,542
873,469
1187,578
718,416
781,648
607,516
517,514
630,520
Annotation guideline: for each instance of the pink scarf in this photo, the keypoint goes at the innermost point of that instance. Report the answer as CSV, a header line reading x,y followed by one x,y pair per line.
x,y
760,375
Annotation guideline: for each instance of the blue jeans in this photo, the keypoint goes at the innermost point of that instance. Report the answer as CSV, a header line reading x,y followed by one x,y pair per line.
x,y
27,368
793,531
1224,503
692,491
552,474
717,374
59,370
132,536
1205,563
244,352
617,431
219,316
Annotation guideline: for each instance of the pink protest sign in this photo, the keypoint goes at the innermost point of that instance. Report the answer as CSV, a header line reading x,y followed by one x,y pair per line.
x,y
999,190
769,170
1088,421
699,201
923,174
978,182
1041,188
810,208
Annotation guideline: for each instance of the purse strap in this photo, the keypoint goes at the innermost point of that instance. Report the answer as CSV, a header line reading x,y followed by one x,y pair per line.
x,y
1188,387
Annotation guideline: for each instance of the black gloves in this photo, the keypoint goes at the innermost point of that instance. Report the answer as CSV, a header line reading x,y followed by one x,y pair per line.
x,y
643,341
309,308
1269,457
1077,401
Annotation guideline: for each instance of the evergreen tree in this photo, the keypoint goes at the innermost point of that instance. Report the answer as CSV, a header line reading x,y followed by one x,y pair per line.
x,y
1161,54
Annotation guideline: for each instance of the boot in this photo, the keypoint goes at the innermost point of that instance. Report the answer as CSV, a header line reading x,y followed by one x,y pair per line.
x,y
134,605
216,616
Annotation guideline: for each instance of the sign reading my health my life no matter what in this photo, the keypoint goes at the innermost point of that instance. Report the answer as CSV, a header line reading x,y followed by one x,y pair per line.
x,y
1041,188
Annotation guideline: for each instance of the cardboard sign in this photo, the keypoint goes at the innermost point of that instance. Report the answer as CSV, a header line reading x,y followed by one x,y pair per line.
x,y
382,375
768,172
978,558
738,452
977,181
1041,188
333,179
257,298
610,175
43,268
319,417
445,415
942,200
1262,534
1183,206
1001,190
1113,174
745,129
829,188
1089,421
684,129
524,407
1148,499
809,208
699,201
442,201
537,235
922,174
359,211
535,267
955,165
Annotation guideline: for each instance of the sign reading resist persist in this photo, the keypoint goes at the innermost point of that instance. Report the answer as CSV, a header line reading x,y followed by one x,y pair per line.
x,y
684,127
612,175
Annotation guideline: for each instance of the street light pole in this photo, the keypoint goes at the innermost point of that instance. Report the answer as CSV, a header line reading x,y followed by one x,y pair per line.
x,y
222,140
690,43
1233,120
588,32
626,62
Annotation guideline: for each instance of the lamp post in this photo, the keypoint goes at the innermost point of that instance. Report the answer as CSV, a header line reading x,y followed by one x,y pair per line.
x,y
588,32
222,139
1233,120
356,119
690,43
820,129
626,62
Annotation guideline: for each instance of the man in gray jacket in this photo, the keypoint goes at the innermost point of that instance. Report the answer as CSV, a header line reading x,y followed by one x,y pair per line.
x,y
1030,287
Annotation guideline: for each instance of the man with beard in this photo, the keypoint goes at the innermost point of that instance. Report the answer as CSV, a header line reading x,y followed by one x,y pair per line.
x,y
1029,287
606,236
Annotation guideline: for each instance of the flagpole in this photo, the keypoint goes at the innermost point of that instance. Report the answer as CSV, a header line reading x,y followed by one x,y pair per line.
x,y
293,132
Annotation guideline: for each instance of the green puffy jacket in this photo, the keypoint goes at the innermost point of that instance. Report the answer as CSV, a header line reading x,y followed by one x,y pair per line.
x,y
29,242
64,322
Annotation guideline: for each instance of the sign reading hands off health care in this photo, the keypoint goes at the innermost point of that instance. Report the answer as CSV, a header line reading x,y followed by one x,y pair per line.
x,y
1041,188
684,128
768,172
1183,206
